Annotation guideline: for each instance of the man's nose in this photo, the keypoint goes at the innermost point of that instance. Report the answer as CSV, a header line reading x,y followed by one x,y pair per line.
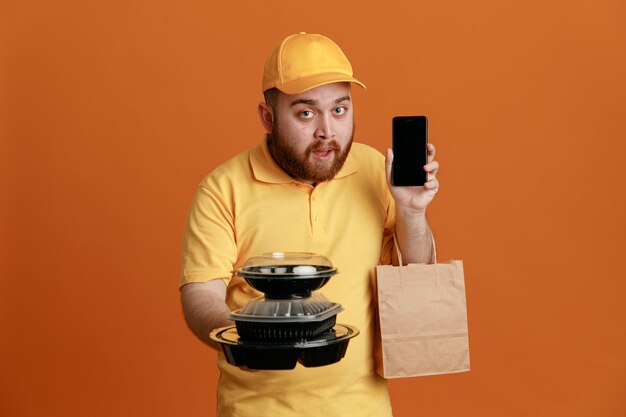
x,y
325,127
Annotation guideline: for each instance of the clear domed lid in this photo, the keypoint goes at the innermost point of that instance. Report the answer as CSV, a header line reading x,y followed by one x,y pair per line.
x,y
292,264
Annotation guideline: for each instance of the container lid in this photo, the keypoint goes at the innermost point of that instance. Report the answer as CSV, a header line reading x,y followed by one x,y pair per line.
x,y
311,309
287,264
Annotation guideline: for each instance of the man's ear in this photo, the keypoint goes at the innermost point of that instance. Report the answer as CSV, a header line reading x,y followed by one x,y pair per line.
x,y
267,117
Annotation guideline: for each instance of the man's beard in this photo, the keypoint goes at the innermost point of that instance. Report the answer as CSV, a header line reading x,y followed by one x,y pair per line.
x,y
303,167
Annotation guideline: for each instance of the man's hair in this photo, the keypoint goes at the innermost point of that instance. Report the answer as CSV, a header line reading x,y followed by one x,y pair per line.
x,y
271,98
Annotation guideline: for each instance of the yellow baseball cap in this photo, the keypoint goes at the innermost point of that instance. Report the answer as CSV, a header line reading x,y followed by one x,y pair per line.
x,y
304,61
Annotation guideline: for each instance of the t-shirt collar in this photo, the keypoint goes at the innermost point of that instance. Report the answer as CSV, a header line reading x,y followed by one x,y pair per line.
x,y
265,169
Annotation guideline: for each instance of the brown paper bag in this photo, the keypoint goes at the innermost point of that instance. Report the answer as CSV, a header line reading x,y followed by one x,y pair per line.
x,y
422,320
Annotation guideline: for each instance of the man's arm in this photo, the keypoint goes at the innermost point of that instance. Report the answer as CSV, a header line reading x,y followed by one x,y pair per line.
x,y
414,236
412,230
205,308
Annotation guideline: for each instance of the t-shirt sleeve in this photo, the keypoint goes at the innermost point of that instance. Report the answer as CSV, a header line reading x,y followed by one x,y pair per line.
x,y
209,248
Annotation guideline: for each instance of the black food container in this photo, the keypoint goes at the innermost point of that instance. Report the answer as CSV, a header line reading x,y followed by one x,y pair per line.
x,y
287,275
324,349
288,324
267,319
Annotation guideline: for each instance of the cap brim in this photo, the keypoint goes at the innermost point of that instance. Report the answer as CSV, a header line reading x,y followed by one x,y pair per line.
x,y
307,83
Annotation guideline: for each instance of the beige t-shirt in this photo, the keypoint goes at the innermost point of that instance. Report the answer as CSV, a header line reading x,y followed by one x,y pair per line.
x,y
249,206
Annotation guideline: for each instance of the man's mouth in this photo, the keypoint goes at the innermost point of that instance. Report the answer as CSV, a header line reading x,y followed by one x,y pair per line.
x,y
323,154
324,151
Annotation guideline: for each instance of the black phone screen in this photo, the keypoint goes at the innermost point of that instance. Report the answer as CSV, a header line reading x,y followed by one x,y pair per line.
x,y
409,138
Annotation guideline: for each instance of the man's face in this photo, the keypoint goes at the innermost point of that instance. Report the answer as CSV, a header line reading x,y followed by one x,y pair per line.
x,y
312,132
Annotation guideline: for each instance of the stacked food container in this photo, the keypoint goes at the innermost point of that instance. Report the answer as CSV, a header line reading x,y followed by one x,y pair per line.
x,y
289,324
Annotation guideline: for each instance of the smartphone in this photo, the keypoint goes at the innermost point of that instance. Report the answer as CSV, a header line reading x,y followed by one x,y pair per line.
x,y
409,139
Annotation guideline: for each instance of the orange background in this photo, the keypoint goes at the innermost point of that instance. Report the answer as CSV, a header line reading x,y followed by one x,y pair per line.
x,y
112,112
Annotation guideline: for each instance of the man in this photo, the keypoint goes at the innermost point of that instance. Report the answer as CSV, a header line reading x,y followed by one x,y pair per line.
x,y
307,188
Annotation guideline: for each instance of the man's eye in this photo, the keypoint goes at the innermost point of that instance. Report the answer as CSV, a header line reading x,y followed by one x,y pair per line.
x,y
340,110
306,114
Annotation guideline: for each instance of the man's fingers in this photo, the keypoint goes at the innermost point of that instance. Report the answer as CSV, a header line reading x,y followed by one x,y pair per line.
x,y
431,152
432,166
432,185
